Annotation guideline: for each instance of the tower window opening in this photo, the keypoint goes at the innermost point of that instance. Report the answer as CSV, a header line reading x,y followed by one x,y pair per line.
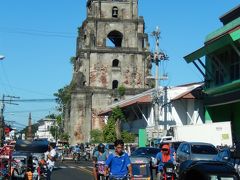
x,y
115,84
115,12
115,63
114,39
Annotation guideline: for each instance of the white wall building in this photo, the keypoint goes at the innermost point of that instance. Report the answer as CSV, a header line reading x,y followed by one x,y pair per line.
x,y
44,129
180,105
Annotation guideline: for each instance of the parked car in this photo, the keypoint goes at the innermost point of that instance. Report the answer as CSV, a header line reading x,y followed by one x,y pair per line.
x,y
231,156
149,152
141,168
207,170
195,151
21,162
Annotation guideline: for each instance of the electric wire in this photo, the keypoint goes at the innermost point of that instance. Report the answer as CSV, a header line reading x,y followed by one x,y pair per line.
x,y
6,76
38,33
26,90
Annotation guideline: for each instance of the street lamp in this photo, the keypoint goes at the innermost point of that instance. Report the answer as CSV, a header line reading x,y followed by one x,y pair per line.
x,y
2,57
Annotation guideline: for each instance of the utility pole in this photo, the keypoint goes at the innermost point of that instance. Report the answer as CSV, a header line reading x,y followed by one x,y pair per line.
x,y
2,124
157,57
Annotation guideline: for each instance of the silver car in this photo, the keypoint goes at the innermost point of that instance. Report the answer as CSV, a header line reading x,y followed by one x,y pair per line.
x,y
195,151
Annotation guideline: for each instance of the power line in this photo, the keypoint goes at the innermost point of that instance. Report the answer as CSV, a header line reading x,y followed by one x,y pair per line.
x,y
36,30
38,33
26,90
6,76
27,111
30,100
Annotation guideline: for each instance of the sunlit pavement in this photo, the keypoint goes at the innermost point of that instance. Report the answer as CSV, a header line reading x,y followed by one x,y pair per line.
x,y
69,170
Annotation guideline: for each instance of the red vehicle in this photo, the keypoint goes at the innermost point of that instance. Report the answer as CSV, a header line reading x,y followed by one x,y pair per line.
x,y
5,160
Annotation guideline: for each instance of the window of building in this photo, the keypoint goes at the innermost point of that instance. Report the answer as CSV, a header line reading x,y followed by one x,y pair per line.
x,y
218,73
234,66
115,63
115,12
114,39
115,84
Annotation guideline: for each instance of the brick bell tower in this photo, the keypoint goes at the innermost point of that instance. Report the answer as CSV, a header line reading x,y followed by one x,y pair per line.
x,y
112,50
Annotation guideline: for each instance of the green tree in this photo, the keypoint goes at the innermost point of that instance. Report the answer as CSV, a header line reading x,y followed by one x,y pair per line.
x,y
72,60
109,133
64,137
54,130
114,124
117,116
128,137
121,90
64,95
96,136
34,129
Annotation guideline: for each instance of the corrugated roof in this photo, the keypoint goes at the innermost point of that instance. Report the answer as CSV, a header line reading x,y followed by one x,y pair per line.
x,y
144,99
178,92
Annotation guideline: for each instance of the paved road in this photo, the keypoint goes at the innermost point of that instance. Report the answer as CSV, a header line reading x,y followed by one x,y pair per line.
x,y
69,170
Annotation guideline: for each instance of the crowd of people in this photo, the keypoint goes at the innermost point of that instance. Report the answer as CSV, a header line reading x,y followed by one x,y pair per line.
x,y
118,164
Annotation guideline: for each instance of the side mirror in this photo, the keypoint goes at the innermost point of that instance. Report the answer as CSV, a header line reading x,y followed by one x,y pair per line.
x,y
226,158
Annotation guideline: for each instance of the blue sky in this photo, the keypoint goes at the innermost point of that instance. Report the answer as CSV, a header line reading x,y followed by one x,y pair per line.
x,y
38,38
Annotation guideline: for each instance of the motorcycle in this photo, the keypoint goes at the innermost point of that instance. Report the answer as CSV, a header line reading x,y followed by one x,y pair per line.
x,y
127,177
42,170
100,166
76,156
168,172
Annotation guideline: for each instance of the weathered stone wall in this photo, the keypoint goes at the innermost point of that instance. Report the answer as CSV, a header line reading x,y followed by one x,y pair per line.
x,y
94,71
130,72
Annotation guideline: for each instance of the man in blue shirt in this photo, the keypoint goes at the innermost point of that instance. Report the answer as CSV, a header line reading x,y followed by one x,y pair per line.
x,y
119,163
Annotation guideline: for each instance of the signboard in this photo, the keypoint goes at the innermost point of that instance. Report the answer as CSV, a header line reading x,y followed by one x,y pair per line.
x,y
142,141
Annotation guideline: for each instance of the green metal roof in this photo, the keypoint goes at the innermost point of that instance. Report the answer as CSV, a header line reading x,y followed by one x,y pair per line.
x,y
195,55
223,29
235,35
213,46
217,40
234,85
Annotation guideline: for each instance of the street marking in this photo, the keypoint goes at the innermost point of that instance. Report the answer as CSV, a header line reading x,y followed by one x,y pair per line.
x,y
82,167
87,171
72,167
62,167
90,167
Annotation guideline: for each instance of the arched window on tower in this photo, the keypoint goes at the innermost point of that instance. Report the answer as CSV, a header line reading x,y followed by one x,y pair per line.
x,y
115,84
115,12
115,63
114,39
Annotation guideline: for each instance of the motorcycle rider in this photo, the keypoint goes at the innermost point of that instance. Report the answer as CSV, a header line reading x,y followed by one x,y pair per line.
x,y
119,163
163,157
76,152
51,158
100,155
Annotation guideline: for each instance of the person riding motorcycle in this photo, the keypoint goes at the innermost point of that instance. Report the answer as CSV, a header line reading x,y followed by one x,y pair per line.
x,y
118,164
76,152
100,155
165,156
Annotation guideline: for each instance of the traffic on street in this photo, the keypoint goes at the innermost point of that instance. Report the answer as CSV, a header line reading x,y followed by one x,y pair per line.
x,y
40,159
